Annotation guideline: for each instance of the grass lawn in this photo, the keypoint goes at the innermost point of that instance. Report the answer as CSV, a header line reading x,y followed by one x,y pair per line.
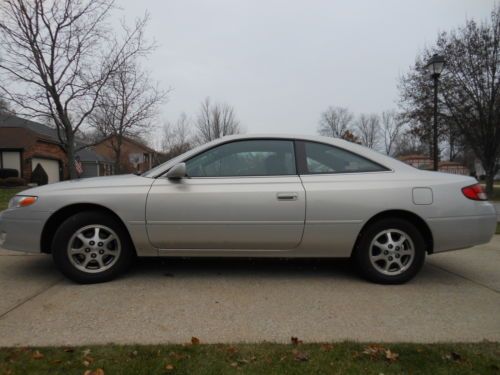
x,y
339,358
6,194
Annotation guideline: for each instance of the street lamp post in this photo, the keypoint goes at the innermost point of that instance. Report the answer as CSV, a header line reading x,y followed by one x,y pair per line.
x,y
435,67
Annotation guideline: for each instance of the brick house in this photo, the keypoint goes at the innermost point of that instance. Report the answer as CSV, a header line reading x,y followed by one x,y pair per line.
x,y
24,144
454,168
135,157
425,162
417,161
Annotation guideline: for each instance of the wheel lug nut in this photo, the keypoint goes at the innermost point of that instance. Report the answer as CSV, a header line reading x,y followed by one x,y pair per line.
x,y
92,243
101,252
397,255
87,250
390,258
397,248
390,246
93,255
100,244
386,252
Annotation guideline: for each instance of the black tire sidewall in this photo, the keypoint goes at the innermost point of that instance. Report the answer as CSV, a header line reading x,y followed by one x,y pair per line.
x,y
76,222
361,254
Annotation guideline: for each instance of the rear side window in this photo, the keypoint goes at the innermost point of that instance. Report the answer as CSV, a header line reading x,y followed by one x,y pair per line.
x,y
321,158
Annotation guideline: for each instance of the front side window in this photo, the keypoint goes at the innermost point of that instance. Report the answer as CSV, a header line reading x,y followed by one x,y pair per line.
x,y
245,158
321,158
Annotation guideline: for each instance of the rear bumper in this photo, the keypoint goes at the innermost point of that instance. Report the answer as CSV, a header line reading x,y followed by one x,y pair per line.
x,y
21,233
455,233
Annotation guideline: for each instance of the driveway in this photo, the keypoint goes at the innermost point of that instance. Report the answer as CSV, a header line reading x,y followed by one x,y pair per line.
x,y
455,298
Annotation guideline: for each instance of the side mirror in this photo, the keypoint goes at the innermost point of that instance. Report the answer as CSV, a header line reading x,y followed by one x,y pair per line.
x,y
177,171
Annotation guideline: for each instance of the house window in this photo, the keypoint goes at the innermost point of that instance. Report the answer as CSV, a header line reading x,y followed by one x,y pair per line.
x,y
11,160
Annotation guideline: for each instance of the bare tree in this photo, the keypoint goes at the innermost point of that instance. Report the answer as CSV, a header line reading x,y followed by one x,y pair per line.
x,y
335,122
58,55
177,138
469,98
127,107
368,129
391,130
215,121
408,143
4,106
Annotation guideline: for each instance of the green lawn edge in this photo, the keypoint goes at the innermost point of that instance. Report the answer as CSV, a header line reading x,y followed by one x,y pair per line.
x,y
263,358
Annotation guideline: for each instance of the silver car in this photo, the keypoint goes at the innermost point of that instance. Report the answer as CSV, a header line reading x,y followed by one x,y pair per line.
x,y
254,196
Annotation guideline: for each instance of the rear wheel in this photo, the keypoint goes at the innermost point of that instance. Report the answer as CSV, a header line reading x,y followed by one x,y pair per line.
x,y
91,247
390,251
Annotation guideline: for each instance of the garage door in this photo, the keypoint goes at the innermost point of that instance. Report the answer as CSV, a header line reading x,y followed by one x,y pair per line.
x,y
51,167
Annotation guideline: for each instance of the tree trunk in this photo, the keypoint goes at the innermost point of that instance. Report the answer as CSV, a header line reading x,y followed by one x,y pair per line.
x,y
118,155
70,153
490,179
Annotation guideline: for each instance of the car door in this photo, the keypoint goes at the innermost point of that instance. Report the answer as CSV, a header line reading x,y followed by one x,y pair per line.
x,y
343,189
243,194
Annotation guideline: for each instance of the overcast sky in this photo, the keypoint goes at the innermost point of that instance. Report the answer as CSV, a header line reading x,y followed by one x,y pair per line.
x,y
281,63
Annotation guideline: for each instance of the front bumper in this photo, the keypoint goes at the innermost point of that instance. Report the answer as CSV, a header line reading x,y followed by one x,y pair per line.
x,y
21,230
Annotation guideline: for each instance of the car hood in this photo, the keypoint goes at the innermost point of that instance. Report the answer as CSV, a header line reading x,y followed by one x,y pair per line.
x,y
91,183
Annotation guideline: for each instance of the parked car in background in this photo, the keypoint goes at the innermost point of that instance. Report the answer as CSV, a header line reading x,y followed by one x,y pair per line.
x,y
255,196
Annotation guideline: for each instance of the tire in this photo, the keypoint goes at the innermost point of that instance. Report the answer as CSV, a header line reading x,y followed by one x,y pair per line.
x,y
384,256
92,247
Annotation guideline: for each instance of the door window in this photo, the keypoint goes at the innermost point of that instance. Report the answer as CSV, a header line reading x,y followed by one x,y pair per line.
x,y
321,158
245,158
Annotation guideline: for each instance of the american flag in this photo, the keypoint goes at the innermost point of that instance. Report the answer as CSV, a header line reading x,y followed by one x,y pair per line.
x,y
78,165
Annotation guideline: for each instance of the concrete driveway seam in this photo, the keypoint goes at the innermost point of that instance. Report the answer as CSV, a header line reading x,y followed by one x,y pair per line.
x,y
30,298
465,278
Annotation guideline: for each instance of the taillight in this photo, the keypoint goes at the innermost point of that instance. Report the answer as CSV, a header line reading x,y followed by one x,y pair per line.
x,y
475,192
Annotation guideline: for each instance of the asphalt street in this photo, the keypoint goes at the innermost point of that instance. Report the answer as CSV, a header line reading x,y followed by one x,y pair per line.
x,y
456,297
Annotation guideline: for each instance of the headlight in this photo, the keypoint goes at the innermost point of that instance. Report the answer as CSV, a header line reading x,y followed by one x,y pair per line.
x,y
22,201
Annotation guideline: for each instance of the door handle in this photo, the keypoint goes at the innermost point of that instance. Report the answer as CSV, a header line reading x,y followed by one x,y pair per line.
x,y
287,196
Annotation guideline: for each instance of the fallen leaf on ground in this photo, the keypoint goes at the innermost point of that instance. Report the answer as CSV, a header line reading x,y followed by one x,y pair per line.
x,y
169,367
37,355
98,371
295,340
232,349
326,347
372,350
87,360
68,350
233,364
300,356
195,340
391,356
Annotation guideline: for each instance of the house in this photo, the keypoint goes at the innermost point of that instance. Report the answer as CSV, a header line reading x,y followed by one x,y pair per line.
x,y
135,157
24,144
454,168
425,162
417,161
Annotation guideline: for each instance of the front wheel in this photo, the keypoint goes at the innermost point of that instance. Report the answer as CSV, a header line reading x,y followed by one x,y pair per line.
x,y
390,251
91,247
